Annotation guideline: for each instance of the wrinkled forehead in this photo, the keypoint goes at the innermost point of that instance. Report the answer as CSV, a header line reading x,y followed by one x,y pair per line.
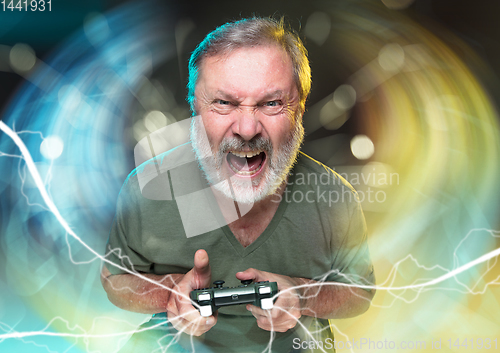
x,y
237,61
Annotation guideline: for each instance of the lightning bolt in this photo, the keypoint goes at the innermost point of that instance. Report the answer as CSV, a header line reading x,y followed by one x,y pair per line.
x,y
353,282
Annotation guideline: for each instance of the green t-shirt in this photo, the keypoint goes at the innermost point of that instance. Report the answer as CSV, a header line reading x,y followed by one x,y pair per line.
x,y
166,212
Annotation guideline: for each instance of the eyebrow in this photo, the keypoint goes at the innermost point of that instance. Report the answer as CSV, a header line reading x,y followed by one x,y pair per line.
x,y
272,95
224,95
267,96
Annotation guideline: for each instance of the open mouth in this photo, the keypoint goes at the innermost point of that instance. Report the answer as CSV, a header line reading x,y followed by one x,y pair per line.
x,y
246,163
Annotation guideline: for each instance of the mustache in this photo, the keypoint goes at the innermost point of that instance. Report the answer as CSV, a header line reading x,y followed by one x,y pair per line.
x,y
239,145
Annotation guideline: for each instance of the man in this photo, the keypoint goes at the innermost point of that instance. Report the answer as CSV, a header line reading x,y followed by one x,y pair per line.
x,y
249,81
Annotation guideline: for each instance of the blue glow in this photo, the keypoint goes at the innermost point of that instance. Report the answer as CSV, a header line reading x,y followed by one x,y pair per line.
x,y
81,95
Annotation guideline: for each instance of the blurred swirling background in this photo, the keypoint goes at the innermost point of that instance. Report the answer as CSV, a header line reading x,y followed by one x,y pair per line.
x,y
404,105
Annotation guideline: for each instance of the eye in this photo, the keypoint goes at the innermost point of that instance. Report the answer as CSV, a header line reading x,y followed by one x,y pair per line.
x,y
222,106
271,107
272,104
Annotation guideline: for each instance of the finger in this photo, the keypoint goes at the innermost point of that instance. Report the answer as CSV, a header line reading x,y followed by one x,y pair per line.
x,y
197,328
181,325
280,323
201,269
250,273
272,314
190,313
200,325
268,326
201,261
189,323
179,309
256,311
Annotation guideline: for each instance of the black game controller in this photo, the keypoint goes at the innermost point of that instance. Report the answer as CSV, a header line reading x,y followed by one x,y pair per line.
x,y
259,294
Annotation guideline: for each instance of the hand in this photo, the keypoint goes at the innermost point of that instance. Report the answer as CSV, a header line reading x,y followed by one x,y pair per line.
x,y
286,311
181,313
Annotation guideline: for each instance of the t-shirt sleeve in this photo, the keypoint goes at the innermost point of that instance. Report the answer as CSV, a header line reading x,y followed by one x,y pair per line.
x,y
352,262
126,224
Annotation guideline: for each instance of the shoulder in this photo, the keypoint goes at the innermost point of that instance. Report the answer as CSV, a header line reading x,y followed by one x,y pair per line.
x,y
152,178
317,175
317,185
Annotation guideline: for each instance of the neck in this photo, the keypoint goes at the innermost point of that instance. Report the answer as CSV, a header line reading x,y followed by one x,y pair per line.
x,y
249,213
252,219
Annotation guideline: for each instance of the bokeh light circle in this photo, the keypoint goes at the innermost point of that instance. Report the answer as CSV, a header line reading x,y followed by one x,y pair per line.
x,y
362,147
52,147
22,57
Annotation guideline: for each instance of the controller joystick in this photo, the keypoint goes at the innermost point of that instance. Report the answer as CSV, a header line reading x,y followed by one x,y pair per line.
x,y
219,284
261,294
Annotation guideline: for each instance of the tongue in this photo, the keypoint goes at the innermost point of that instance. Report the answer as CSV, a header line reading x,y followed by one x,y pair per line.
x,y
246,164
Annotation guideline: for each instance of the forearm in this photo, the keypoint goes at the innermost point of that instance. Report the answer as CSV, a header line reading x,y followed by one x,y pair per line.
x,y
330,301
130,292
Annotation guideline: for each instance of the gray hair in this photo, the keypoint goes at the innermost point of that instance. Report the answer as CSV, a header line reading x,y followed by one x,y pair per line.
x,y
249,33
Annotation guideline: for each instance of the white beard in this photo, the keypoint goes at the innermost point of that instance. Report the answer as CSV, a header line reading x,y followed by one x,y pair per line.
x,y
279,162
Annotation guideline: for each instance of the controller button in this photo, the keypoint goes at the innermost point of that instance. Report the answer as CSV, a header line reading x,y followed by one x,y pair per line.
x,y
206,310
246,282
204,296
219,283
264,290
266,304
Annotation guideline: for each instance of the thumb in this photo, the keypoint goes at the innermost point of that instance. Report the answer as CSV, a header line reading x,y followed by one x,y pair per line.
x,y
250,273
201,269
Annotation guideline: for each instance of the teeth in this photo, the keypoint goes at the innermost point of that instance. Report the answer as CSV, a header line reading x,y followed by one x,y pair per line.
x,y
242,172
249,154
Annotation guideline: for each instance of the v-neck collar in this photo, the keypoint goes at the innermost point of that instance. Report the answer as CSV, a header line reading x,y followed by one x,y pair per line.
x,y
244,251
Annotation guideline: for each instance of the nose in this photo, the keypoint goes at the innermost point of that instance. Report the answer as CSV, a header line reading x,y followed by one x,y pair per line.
x,y
247,124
